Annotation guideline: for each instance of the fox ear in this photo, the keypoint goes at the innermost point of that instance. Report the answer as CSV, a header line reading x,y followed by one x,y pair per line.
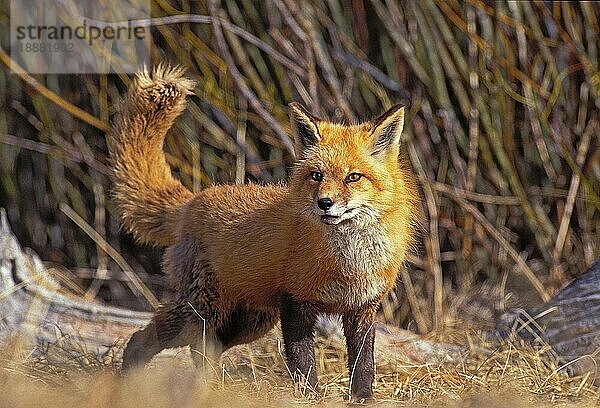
x,y
304,127
387,130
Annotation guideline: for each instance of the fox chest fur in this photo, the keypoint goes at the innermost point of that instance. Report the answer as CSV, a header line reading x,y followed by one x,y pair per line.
x,y
354,267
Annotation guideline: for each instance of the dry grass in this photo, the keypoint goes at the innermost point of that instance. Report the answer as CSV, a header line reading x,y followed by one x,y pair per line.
x,y
68,375
502,131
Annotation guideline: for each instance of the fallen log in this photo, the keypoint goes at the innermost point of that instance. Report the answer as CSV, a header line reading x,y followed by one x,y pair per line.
x,y
569,323
34,307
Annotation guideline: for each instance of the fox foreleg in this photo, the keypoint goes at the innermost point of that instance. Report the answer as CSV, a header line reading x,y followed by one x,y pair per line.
x,y
298,326
359,330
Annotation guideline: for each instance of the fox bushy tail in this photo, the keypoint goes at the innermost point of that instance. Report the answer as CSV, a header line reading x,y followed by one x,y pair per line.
x,y
148,197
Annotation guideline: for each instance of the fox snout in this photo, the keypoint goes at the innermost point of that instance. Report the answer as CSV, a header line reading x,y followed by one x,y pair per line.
x,y
329,205
333,211
325,203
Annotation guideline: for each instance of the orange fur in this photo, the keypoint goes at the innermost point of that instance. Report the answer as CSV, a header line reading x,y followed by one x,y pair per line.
x,y
147,194
263,241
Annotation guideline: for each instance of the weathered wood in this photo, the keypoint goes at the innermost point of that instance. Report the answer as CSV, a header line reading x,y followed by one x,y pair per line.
x,y
569,322
33,305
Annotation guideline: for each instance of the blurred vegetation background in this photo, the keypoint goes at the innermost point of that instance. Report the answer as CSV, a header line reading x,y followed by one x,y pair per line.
x,y
502,134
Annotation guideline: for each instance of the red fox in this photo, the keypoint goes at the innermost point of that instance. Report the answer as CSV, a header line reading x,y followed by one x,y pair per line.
x,y
242,257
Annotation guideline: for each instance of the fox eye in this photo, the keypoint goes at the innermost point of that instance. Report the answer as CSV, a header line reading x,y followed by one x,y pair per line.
x,y
353,177
316,175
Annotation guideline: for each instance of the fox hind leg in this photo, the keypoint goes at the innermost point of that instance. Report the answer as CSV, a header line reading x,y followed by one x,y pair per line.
x,y
174,325
244,325
170,327
241,326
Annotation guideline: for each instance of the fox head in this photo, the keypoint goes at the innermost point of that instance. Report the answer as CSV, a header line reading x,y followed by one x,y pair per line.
x,y
346,174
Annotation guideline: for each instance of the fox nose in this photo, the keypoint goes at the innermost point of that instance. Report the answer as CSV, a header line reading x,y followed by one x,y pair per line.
x,y
325,203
